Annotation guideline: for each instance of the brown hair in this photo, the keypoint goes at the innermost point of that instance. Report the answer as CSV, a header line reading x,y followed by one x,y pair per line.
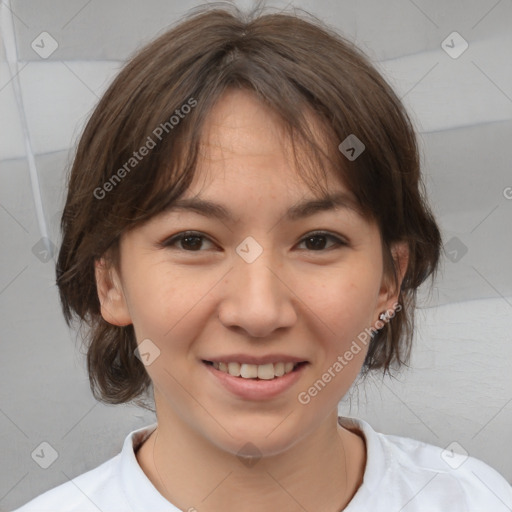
x,y
296,65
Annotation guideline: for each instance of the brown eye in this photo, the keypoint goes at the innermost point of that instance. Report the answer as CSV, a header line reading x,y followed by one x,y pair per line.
x,y
192,242
318,241
189,241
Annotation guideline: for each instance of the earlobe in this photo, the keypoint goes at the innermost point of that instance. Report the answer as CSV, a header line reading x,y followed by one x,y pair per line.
x,y
114,309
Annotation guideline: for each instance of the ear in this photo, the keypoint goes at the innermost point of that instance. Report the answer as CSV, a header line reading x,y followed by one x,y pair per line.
x,y
114,308
390,290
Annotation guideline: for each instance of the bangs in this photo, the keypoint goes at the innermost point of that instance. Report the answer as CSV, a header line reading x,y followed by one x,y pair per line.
x,y
167,174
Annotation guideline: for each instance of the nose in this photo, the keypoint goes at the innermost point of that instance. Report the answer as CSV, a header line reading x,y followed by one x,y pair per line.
x,y
256,297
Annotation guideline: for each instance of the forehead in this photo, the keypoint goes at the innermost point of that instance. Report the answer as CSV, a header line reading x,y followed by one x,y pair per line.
x,y
244,140
246,163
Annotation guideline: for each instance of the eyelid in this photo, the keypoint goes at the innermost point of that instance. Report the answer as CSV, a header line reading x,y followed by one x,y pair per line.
x,y
340,241
173,239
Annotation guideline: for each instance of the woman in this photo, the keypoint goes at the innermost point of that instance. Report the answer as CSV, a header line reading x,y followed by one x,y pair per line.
x,y
244,234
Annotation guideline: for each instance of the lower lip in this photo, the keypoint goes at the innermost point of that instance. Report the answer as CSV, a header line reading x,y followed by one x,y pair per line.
x,y
252,389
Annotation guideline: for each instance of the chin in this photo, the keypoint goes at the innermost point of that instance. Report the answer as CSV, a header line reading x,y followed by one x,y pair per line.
x,y
256,438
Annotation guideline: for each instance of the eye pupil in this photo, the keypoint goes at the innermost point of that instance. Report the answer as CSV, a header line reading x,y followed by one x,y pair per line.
x,y
319,242
196,244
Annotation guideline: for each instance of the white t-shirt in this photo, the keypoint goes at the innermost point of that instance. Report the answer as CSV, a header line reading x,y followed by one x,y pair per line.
x,y
401,474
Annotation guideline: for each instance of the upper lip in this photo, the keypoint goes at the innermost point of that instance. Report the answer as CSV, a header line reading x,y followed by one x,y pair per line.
x,y
248,359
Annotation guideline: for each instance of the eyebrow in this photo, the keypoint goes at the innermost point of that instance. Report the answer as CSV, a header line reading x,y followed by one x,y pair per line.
x,y
297,211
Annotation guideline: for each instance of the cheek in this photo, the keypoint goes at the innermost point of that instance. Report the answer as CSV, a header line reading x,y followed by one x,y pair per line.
x,y
345,303
344,298
165,305
345,308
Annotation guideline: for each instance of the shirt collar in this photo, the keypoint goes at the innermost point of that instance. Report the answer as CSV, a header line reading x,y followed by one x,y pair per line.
x,y
378,461
141,494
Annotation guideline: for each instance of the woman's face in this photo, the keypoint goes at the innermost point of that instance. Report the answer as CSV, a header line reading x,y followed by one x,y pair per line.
x,y
255,285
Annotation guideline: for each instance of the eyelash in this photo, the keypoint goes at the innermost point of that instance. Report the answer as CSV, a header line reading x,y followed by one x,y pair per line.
x,y
170,242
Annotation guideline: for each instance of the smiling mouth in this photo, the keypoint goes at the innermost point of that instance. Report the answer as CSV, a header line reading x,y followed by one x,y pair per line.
x,y
268,371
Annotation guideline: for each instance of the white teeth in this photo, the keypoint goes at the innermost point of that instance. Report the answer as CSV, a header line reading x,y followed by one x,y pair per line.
x,y
266,371
234,369
279,369
252,371
248,371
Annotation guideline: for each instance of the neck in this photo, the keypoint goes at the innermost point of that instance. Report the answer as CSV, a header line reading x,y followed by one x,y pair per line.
x,y
321,472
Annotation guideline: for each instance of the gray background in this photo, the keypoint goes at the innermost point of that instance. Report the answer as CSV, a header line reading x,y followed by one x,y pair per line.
x,y
459,386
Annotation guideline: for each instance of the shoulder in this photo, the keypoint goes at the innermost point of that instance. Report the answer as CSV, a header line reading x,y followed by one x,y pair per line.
x,y
452,471
84,492
416,476
112,486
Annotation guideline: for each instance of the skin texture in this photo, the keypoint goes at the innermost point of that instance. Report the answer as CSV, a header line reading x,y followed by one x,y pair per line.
x,y
293,299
